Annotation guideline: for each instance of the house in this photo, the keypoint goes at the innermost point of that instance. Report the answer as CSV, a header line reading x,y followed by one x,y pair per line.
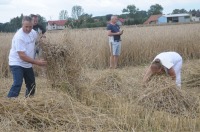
x,y
196,17
174,18
153,19
56,25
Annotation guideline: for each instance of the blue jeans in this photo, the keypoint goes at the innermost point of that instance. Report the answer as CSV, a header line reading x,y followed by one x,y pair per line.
x,y
18,74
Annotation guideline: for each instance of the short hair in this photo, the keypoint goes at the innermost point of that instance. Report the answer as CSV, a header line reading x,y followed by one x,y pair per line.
x,y
157,62
113,16
33,15
27,18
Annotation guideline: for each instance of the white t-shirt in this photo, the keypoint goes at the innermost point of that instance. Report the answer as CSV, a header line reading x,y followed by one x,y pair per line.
x,y
22,42
168,59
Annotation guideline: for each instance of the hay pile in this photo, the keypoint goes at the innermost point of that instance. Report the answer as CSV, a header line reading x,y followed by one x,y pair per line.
x,y
163,95
4,67
193,79
106,92
108,82
57,113
63,66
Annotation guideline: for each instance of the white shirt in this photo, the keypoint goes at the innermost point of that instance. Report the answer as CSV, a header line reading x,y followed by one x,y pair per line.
x,y
168,59
22,42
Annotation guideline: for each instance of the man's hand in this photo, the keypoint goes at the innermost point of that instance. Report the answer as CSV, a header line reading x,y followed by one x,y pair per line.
x,y
172,73
43,36
24,57
122,32
40,62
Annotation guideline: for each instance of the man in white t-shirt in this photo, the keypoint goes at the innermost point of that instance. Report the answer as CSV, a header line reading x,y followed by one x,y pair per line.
x,y
168,62
21,58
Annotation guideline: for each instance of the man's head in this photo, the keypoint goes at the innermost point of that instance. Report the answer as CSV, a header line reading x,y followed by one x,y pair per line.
x,y
34,19
114,19
156,66
27,24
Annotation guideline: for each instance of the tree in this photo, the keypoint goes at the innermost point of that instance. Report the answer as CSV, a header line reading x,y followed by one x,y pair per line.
x,y
1,27
155,10
77,11
63,15
131,10
140,17
101,18
193,12
86,18
42,21
16,23
108,17
133,15
70,22
179,11
124,16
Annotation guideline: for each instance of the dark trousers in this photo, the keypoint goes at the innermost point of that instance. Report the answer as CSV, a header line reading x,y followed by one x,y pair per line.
x,y
19,73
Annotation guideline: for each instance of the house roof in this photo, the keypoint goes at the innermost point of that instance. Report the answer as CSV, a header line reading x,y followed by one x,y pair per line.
x,y
57,22
121,20
176,15
152,18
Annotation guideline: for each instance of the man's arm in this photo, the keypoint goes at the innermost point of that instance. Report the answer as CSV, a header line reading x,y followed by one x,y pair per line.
x,y
26,58
147,75
172,73
112,34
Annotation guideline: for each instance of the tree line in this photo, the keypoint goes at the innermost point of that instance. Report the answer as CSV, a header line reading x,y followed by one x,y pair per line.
x,y
16,23
130,14
79,19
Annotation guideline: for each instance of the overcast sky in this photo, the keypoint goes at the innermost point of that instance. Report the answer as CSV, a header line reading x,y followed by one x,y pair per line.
x,y
50,8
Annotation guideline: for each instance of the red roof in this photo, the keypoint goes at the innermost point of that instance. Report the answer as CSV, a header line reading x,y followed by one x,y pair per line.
x,y
121,20
58,22
152,18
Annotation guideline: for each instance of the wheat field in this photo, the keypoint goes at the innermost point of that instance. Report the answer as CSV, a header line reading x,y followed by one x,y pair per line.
x,y
77,91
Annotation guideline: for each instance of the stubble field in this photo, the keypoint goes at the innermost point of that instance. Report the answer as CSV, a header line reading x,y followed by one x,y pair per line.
x,y
77,91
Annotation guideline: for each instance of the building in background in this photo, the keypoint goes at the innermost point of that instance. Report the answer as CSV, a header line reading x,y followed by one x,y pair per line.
x,y
173,18
153,19
196,17
56,25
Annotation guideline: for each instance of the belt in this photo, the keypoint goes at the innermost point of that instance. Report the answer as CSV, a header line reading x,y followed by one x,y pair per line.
x,y
117,40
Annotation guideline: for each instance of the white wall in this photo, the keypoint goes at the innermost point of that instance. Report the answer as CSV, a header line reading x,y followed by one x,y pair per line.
x,y
54,27
183,19
195,19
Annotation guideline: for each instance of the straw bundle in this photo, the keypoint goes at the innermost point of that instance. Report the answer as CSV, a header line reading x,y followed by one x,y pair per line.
x,y
58,113
62,63
108,82
4,67
193,79
165,96
106,91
